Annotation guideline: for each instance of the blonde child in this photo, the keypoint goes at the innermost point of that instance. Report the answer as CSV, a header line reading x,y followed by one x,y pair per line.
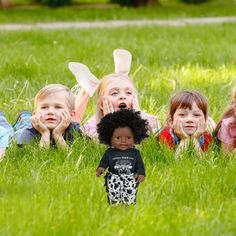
x,y
187,123
115,91
226,128
52,118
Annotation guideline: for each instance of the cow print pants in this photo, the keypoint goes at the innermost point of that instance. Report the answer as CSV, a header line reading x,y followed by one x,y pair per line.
x,y
121,188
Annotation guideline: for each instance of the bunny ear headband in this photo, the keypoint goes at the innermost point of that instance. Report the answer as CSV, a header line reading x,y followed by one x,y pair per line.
x,y
122,59
89,82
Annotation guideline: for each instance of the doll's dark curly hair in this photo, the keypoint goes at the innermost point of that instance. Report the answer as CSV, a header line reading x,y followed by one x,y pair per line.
x,y
119,119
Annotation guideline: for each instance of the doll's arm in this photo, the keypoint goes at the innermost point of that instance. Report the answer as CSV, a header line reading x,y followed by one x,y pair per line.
x,y
139,178
140,169
100,171
102,165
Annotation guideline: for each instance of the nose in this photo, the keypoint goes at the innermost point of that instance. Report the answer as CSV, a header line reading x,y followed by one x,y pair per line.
x,y
123,139
190,118
122,96
51,111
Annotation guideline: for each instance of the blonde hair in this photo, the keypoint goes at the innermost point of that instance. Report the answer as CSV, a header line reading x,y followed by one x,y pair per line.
x,y
52,89
102,88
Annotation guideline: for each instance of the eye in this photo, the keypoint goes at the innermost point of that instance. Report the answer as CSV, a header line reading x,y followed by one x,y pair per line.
x,y
197,115
181,114
113,92
129,92
44,107
58,107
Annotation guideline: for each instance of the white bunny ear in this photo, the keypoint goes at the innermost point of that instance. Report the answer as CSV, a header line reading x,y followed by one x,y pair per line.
x,y
84,77
122,60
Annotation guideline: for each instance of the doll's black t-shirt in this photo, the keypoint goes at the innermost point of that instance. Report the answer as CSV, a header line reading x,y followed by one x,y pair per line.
x,y
123,162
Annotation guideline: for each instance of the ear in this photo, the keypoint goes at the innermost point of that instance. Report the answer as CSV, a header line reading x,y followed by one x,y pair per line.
x,y
169,122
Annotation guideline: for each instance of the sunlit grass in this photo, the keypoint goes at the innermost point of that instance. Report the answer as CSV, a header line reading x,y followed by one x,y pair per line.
x,y
56,193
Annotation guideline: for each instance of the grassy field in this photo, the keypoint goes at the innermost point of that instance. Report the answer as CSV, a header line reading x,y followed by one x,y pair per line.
x,y
56,193
80,12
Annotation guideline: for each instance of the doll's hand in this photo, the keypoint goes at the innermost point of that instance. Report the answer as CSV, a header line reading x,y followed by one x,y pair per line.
x,y
99,171
179,130
201,127
63,125
38,125
139,178
107,106
135,105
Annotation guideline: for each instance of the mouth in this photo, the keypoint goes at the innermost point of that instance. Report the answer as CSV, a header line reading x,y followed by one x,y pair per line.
x,y
50,120
122,105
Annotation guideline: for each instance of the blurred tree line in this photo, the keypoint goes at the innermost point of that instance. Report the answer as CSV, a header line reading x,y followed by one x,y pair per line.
x,y
130,3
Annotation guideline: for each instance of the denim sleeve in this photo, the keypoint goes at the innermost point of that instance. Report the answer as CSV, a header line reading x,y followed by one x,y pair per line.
x,y
4,137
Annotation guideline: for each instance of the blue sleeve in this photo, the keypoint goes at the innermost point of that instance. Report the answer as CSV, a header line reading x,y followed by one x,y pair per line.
x,y
4,137
25,136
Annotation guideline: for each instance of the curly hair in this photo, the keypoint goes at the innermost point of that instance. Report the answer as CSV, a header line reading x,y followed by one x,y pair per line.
x,y
120,119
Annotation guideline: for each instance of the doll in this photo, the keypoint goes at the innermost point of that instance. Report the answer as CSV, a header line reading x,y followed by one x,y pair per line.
x,y
121,130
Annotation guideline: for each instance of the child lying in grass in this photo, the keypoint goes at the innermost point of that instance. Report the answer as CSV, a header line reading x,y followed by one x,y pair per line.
x,y
187,123
51,120
226,128
115,91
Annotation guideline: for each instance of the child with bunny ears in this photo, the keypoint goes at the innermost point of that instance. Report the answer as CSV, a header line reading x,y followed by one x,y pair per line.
x,y
115,91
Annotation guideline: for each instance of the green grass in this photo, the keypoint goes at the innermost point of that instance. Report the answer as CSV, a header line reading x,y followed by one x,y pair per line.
x,y
168,10
56,193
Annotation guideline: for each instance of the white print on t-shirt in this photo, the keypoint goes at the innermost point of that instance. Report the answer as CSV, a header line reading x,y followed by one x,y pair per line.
x,y
123,167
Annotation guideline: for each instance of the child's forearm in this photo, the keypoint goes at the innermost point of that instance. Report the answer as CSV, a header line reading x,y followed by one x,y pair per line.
x,y
197,146
60,141
45,140
184,143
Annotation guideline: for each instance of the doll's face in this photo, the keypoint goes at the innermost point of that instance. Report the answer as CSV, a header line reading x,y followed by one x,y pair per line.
x,y
122,138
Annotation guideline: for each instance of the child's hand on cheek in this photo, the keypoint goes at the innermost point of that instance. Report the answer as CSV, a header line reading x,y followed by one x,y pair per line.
x,y
38,125
178,129
107,106
135,105
139,178
63,125
201,127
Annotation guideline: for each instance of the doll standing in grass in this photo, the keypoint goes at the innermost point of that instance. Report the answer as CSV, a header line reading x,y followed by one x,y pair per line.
x,y
115,91
187,122
121,130
226,128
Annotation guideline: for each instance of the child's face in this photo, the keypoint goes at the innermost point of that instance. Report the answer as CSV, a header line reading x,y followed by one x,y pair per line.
x,y
189,118
50,108
122,138
120,93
